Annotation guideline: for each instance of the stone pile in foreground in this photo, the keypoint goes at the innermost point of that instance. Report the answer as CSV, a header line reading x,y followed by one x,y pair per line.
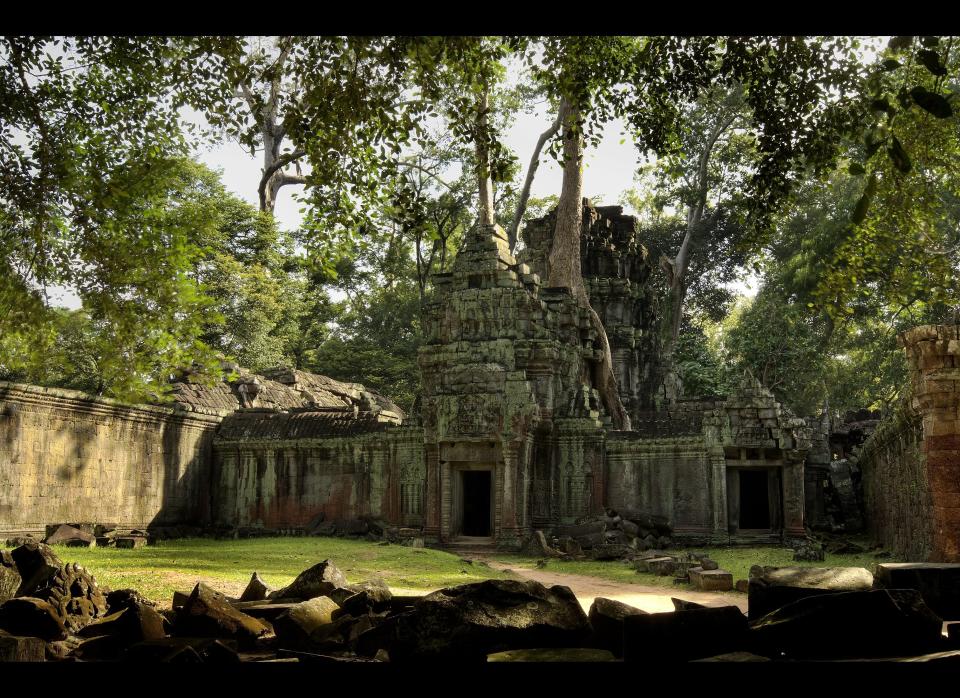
x,y
56,612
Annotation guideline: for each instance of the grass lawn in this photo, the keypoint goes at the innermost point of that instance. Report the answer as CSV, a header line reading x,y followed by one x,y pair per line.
x,y
226,565
736,560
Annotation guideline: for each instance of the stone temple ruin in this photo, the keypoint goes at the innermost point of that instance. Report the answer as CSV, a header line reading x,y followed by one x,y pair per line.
x,y
510,435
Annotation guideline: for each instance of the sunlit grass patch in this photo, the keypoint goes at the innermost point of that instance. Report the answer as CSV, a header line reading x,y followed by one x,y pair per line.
x,y
226,565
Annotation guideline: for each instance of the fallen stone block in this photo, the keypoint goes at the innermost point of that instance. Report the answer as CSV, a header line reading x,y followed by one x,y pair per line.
x,y
27,616
937,582
742,585
684,605
37,564
470,621
851,624
710,580
257,589
75,595
124,598
341,635
320,580
684,635
606,620
660,566
207,613
771,588
808,551
265,611
130,542
295,626
638,518
60,650
179,599
10,579
70,536
136,622
18,648
375,600
553,654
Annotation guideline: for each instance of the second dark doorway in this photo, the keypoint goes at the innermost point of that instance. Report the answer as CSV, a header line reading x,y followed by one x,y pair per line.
x,y
476,503
754,499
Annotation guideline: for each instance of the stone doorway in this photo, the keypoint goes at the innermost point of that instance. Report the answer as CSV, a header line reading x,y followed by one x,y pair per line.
x,y
477,491
754,500
472,500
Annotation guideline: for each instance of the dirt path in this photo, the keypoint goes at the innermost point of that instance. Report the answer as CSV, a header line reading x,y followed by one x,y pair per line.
x,y
649,598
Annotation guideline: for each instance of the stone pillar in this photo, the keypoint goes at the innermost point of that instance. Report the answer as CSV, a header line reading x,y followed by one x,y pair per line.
x,y
933,353
718,490
431,525
506,484
793,497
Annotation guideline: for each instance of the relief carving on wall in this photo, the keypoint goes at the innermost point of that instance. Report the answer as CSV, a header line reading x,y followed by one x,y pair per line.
x,y
476,416
579,490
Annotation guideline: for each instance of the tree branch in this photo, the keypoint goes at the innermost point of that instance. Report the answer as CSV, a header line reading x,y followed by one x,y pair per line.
x,y
513,232
281,162
421,168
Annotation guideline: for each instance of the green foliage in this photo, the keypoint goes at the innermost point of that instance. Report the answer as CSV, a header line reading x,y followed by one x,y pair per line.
x,y
376,343
698,365
783,347
902,243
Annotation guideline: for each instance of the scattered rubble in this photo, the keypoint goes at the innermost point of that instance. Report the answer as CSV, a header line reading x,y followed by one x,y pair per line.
x,y
257,589
795,614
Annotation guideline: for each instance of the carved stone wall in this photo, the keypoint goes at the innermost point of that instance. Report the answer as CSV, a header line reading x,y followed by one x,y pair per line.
x,y
283,481
66,456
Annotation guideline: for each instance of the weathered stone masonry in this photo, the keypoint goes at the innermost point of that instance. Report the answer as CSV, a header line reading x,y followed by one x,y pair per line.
x,y
911,463
65,456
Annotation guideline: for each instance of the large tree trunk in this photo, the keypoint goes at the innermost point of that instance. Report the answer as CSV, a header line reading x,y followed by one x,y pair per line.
x,y
563,263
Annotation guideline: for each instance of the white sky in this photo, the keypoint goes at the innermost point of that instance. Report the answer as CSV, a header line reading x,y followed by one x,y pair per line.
x,y
608,173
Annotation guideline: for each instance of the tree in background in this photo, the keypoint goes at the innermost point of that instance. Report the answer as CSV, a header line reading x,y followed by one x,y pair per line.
x,y
703,178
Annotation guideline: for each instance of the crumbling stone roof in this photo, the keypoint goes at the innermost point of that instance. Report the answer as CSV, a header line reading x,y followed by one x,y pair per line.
x,y
282,389
271,425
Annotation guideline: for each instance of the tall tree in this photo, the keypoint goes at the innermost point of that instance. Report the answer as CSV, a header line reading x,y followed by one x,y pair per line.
x,y
703,178
265,84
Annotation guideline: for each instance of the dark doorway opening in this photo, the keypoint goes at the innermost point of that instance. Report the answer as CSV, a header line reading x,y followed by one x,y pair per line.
x,y
754,499
476,503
